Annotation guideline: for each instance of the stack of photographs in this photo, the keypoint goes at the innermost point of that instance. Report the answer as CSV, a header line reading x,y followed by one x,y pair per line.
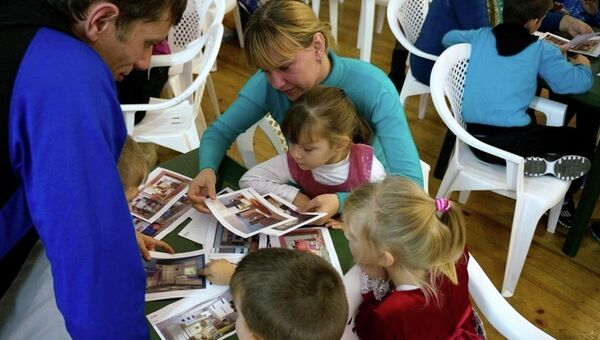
x,y
588,44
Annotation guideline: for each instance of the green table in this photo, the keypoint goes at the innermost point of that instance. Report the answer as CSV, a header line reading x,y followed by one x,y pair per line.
x,y
228,176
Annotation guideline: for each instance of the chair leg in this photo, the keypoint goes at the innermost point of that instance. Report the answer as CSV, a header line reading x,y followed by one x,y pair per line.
x,y
423,101
450,176
553,216
525,220
381,15
210,88
463,197
333,18
361,23
238,25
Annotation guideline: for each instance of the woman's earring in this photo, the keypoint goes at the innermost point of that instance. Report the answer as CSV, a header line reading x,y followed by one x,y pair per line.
x,y
319,60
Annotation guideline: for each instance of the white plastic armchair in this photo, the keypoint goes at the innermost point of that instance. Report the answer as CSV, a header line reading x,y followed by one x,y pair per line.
x,y
534,195
198,16
173,122
406,18
333,14
496,310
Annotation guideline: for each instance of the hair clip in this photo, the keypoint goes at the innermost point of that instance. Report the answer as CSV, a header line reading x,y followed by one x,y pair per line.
x,y
442,204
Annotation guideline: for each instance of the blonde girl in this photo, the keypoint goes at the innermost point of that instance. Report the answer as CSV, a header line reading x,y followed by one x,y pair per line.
x,y
292,49
411,249
326,151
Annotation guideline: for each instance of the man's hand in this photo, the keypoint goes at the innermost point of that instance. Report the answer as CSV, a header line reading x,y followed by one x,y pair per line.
x,y
327,203
147,243
574,26
219,271
202,186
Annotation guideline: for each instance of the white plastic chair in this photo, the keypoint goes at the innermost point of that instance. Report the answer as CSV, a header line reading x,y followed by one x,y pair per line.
x,y
198,16
405,18
364,39
173,122
333,14
534,195
496,310
232,5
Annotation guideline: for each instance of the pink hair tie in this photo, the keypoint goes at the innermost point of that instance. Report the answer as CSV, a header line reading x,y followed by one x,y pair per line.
x,y
442,204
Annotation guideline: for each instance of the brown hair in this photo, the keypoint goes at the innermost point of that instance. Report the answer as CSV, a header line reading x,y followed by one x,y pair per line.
x,y
130,10
282,27
518,12
132,164
325,111
288,294
397,216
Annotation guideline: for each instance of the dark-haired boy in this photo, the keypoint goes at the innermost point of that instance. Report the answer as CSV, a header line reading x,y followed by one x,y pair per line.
x,y
284,294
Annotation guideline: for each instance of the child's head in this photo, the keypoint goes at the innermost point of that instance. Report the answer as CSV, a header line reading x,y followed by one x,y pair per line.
x,y
395,224
132,168
321,125
287,294
520,12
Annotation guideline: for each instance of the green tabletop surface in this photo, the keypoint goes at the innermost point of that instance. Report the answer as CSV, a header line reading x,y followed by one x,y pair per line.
x,y
229,174
592,97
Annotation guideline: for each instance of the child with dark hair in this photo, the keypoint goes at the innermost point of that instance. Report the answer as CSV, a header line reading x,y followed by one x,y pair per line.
x,y
501,82
284,294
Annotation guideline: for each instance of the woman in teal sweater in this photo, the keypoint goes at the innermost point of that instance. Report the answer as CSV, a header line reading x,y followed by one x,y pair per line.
x,y
291,48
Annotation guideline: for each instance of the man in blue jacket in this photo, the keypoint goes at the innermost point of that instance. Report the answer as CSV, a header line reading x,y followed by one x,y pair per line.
x,y
61,133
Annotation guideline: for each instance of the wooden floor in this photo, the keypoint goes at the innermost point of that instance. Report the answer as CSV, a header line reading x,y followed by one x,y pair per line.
x,y
558,293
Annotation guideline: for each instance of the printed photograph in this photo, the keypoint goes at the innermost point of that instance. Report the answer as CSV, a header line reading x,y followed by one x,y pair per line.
x,y
174,274
555,39
309,240
157,194
246,213
178,209
301,219
211,320
226,242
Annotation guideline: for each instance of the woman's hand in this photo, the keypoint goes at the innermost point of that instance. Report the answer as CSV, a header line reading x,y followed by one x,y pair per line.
x,y
202,186
219,271
574,26
147,243
327,203
301,201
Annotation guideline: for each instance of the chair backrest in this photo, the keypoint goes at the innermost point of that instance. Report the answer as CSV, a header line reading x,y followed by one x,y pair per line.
x,y
406,18
199,15
245,141
447,88
206,48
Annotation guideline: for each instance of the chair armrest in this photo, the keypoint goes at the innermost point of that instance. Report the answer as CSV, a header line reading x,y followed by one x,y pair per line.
x,y
554,111
498,312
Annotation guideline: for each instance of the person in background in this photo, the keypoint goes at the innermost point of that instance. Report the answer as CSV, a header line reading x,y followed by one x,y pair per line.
x,y
322,127
62,132
284,294
495,111
584,10
411,249
291,46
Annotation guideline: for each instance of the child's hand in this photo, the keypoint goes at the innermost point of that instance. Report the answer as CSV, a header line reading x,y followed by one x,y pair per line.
x,y
327,203
579,59
147,243
574,26
201,187
219,271
301,201
335,224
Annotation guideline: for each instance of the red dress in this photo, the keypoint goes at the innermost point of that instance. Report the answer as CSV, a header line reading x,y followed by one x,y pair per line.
x,y
405,315
361,160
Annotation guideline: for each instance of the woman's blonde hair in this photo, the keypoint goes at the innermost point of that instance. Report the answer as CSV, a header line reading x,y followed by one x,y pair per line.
x,y
282,28
324,112
397,216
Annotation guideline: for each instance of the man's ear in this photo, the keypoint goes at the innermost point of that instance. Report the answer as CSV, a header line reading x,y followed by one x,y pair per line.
x,y
386,259
99,17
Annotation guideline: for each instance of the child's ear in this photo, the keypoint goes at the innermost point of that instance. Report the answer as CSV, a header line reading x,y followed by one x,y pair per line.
x,y
343,144
532,25
386,259
98,19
